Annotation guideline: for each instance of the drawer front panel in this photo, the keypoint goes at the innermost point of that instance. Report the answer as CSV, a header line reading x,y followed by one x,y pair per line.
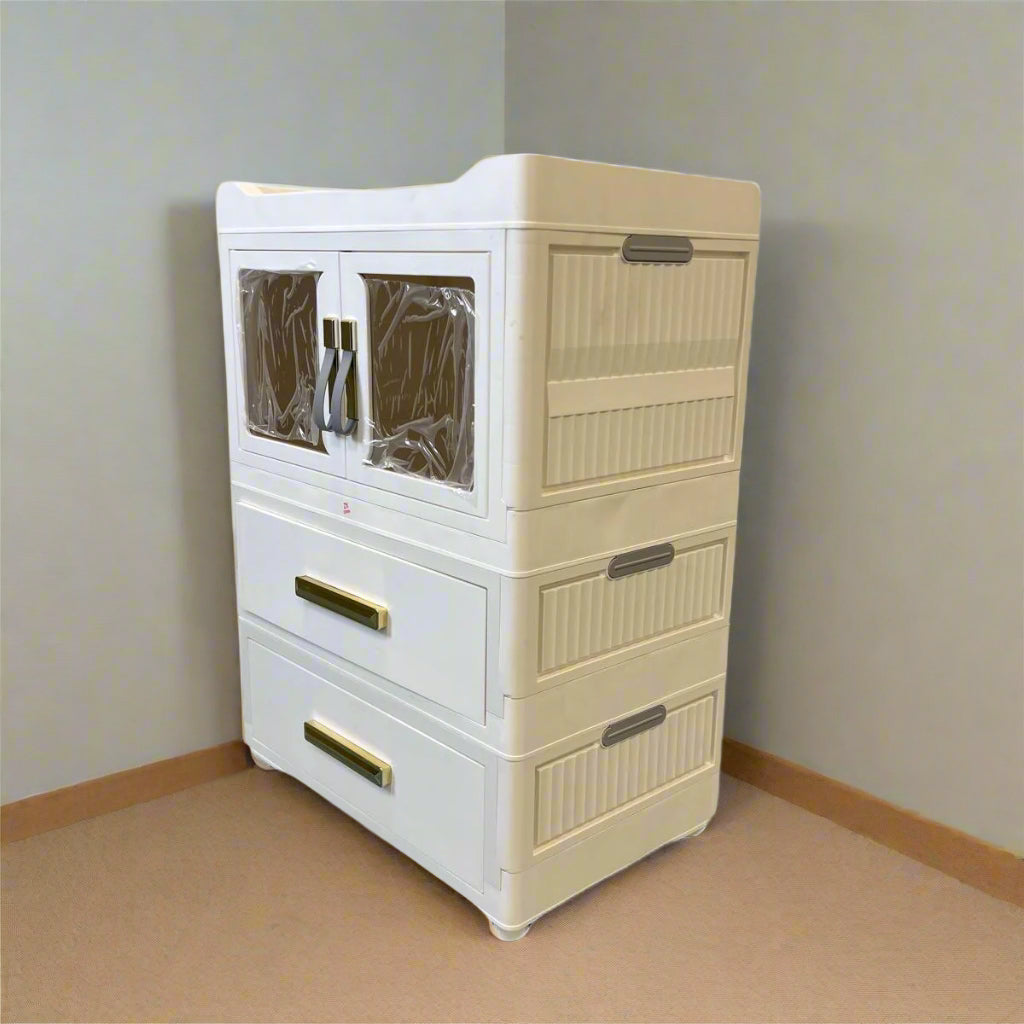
x,y
644,362
429,794
592,445
585,618
609,317
418,628
577,789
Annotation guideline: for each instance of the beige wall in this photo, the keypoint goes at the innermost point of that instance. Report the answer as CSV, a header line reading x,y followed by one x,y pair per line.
x,y
877,618
119,642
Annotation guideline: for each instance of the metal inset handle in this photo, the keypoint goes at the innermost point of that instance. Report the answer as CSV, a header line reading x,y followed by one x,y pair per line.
x,y
657,249
358,609
633,724
337,377
640,560
351,755
325,378
346,335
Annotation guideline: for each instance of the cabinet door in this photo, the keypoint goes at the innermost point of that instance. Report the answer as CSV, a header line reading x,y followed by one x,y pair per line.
x,y
421,357
280,302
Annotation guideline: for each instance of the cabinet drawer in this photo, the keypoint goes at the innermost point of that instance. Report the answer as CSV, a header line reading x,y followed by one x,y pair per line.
x,y
591,781
633,759
418,628
645,358
414,786
642,597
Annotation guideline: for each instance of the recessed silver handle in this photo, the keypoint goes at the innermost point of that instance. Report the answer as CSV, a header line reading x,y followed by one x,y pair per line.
x,y
633,724
657,249
640,560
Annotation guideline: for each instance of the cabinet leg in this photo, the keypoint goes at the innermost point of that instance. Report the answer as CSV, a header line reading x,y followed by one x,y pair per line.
x,y
507,934
260,762
698,831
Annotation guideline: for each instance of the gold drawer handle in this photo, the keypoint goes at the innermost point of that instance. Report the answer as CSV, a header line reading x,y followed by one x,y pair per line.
x,y
362,762
358,609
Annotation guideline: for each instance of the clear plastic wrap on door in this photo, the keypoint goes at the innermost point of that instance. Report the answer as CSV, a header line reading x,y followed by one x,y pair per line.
x,y
278,313
422,368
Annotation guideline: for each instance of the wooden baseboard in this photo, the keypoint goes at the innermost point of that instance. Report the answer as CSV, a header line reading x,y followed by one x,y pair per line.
x,y
36,814
998,872
973,861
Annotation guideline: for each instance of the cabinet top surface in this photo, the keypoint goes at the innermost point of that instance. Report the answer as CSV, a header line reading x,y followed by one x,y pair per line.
x,y
514,190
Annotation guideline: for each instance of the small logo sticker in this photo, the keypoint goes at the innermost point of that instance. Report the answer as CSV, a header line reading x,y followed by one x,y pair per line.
x,y
345,510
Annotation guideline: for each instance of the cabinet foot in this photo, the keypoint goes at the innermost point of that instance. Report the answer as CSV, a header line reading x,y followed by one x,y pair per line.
x,y
507,934
698,831
261,763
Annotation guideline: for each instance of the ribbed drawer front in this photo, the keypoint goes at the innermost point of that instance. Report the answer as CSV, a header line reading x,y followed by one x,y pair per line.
x,y
643,363
583,786
609,317
585,618
594,445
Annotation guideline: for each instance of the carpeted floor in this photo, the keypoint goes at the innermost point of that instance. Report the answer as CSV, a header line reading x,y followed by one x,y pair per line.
x,y
251,899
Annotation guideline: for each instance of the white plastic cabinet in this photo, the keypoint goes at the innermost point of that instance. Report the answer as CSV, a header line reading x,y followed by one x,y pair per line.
x,y
484,581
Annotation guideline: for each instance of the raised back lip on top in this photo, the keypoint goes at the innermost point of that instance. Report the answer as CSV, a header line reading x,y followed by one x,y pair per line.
x,y
506,190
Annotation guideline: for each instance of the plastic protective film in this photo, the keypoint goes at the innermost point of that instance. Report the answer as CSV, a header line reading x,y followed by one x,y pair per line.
x,y
422,355
279,337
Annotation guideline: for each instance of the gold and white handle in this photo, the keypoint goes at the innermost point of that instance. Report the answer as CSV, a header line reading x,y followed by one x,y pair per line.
x,y
341,602
350,754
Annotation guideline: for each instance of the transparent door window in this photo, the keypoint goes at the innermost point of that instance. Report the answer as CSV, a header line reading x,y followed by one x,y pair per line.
x,y
280,347
421,350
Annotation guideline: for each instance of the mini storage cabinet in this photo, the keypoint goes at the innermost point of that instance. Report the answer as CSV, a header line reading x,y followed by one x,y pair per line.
x,y
485,442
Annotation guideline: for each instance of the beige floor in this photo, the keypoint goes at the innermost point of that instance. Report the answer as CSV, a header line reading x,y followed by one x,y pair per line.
x,y
251,899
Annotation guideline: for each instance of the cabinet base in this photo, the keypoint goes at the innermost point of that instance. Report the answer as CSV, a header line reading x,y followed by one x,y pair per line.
x,y
507,934
261,762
